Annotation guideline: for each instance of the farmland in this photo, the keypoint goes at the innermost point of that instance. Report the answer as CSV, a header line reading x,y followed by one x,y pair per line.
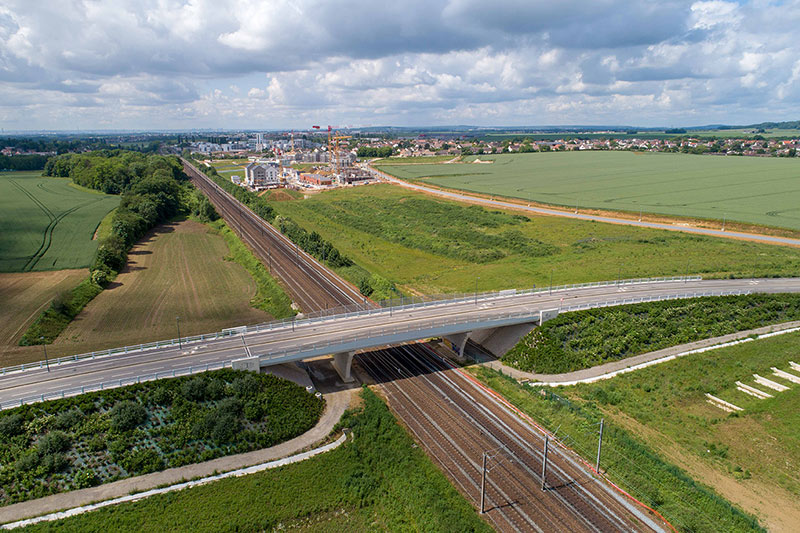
x,y
46,223
378,481
752,457
760,191
103,436
432,246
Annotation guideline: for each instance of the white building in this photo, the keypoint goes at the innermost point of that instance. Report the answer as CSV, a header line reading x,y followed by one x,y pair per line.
x,y
261,176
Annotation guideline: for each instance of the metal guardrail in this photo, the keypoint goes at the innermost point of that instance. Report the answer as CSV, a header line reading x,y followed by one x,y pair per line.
x,y
486,321
341,312
113,384
310,347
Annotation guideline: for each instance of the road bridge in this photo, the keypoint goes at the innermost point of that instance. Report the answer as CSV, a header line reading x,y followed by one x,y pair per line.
x,y
343,334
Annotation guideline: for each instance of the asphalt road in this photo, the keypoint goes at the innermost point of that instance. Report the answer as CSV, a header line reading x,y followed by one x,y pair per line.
x,y
33,382
770,239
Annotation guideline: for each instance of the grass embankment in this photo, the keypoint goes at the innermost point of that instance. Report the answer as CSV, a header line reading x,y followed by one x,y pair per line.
x,y
377,481
64,307
583,339
270,297
46,223
433,246
704,187
627,459
103,436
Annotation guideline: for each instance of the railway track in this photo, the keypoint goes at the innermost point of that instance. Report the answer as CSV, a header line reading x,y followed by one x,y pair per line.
x,y
456,422
312,286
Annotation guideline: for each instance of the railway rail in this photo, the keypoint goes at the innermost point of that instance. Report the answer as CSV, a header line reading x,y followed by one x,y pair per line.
x,y
456,422
312,286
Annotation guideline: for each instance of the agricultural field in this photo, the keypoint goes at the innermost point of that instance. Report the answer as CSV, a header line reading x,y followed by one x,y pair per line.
x,y
752,457
179,269
47,223
24,296
582,339
432,246
104,436
752,190
377,481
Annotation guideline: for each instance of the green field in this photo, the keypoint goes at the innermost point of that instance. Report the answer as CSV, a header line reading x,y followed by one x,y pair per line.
x,y
761,191
46,223
757,450
378,481
432,246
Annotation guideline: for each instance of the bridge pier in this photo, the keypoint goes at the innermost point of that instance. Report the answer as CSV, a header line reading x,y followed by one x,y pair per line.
x,y
342,363
497,341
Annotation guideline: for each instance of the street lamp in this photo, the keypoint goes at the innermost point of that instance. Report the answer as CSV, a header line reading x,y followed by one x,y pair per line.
x,y
178,325
46,362
476,289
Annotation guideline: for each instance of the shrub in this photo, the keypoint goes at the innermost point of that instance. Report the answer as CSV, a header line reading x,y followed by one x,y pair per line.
x,y
11,425
85,478
194,389
54,462
68,419
245,386
142,461
127,415
54,442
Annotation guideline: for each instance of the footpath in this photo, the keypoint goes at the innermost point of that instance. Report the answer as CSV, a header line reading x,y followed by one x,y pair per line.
x,y
336,403
614,368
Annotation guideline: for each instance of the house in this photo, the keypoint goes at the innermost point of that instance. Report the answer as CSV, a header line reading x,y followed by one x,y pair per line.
x,y
261,176
315,179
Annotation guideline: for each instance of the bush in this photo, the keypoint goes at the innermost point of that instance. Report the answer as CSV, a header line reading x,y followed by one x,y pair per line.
x,y
54,442
11,425
246,385
85,478
194,389
127,415
142,461
68,419
54,462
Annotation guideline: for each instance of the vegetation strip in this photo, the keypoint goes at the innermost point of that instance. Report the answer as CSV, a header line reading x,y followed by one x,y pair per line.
x,y
583,339
628,462
180,486
378,480
94,438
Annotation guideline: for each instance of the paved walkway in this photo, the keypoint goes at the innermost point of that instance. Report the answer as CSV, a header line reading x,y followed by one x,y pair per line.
x,y
336,403
616,366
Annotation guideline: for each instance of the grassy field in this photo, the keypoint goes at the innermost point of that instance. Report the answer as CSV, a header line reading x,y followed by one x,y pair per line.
x,y
99,437
752,458
178,270
24,296
378,481
433,246
46,223
761,191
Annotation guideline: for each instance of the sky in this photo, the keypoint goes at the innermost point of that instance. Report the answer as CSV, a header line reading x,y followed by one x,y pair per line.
x,y
274,64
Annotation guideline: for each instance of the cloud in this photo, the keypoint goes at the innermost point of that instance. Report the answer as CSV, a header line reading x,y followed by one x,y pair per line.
x,y
280,63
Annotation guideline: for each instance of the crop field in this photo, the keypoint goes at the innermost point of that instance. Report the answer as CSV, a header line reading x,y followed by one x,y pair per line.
x,y
432,246
752,457
46,224
378,481
178,270
103,436
753,190
24,296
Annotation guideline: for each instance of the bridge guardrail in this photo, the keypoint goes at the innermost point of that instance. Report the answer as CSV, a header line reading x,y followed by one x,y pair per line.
x,y
74,391
348,311
284,354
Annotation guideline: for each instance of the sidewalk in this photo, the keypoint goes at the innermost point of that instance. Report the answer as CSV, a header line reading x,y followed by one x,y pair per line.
x,y
336,403
616,366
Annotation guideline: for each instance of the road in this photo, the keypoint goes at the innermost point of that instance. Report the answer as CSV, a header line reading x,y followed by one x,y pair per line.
x,y
370,327
769,239
311,285
456,420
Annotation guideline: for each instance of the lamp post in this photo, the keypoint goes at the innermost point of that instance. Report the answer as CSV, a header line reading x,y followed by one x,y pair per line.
x,y
46,361
178,325
476,289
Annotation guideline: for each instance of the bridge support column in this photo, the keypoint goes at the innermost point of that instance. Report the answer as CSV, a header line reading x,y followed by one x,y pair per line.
x,y
457,343
343,362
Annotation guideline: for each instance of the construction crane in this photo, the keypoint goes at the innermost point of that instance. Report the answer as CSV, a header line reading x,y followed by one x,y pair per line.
x,y
336,152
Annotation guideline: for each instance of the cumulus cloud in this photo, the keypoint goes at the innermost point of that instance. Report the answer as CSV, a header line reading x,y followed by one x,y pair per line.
x,y
281,63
